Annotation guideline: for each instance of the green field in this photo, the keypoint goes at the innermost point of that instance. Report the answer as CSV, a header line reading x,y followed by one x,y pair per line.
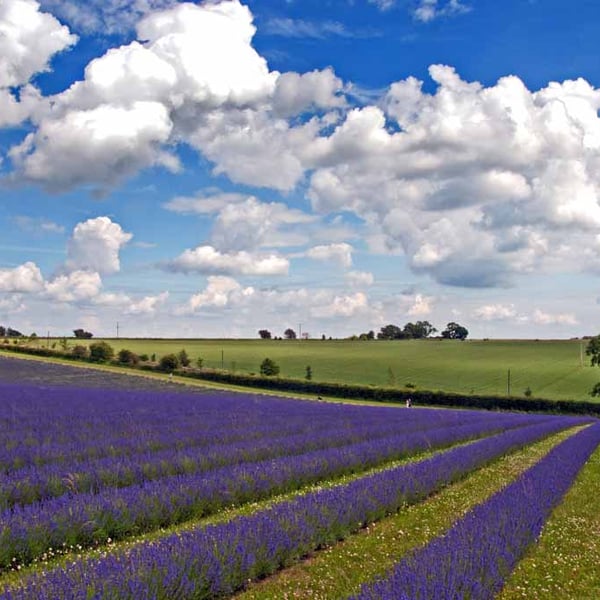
x,y
555,369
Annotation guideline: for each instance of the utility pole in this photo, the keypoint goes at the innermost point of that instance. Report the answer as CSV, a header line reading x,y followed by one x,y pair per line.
x,y
299,331
117,329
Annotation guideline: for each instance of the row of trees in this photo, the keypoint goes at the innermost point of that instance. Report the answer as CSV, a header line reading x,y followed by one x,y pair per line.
x,y
416,331
410,331
9,332
288,334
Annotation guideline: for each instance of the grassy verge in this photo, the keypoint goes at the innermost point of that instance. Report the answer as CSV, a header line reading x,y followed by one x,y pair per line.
x,y
564,563
339,571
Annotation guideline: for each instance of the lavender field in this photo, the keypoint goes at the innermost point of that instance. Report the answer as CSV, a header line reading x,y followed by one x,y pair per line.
x,y
127,488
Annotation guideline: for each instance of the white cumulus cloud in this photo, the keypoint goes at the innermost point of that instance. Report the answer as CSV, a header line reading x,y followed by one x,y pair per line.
x,y
495,312
359,278
24,278
340,254
217,294
207,259
543,318
478,183
95,245
29,38
77,286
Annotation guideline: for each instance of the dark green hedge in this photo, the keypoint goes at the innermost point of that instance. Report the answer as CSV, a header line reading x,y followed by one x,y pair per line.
x,y
340,390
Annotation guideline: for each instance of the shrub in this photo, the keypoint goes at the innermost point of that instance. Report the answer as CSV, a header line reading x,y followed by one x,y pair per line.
x,y
199,362
308,375
144,358
184,359
127,357
168,362
269,368
101,352
80,352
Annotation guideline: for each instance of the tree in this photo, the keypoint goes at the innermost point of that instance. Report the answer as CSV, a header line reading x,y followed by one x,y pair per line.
x,y
10,332
127,357
184,359
269,368
390,332
454,331
418,330
593,350
101,352
265,334
363,337
2,331
289,334
308,375
82,334
168,362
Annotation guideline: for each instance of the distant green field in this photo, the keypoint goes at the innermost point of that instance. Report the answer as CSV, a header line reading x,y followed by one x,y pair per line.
x,y
551,369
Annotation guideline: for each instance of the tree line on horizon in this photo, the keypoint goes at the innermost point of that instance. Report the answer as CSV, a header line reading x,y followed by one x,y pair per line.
x,y
410,331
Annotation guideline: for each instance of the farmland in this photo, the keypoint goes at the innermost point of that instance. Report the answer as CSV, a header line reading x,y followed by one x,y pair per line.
x,y
133,488
554,369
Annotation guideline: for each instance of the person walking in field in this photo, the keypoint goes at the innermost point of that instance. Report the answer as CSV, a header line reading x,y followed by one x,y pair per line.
x,y
408,402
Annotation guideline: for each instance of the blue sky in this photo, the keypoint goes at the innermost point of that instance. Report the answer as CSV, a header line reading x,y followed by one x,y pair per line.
x,y
212,169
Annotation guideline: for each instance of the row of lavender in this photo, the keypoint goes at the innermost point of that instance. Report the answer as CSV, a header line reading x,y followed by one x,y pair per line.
x,y
66,425
27,531
474,558
216,560
35,483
